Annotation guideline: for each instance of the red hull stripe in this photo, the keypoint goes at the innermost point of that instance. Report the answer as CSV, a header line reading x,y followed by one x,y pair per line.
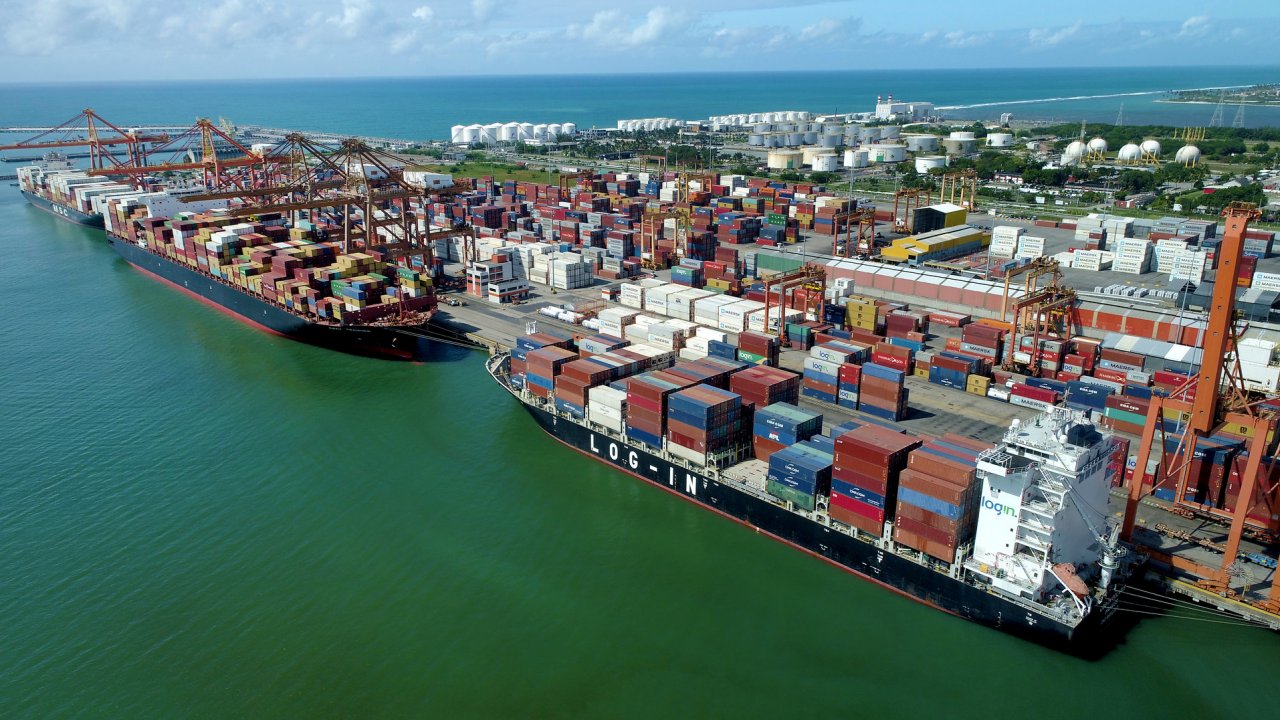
x,y
744,523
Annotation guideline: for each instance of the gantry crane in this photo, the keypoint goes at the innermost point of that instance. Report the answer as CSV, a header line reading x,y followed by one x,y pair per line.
x,y
651,224
1038,268
1043,313
909,200
1215,395
810,276
960,188
361,188
860,242
86,129
568,181
246,170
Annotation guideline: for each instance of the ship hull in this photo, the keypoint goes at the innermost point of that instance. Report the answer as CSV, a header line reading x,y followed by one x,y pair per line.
x,y
57,209
892,571
404,343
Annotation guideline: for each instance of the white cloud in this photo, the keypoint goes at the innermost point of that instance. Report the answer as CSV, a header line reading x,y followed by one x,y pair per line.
x,y
482,9
1047,37
826,30
403,41
424,13
1195,27
609,27
962,39
928,36
352,19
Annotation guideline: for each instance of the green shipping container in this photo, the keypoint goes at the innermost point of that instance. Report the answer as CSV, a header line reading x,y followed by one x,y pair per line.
x,y
765,261
751,357
1125,416
777,219
797,498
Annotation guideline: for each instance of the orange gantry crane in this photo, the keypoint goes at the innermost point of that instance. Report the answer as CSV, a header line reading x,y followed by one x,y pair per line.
x,y
813,277
857,230
910,200
1214,396
246,170
89,129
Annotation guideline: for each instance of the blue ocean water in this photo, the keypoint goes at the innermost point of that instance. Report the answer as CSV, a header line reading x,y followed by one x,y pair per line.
x,y
425,108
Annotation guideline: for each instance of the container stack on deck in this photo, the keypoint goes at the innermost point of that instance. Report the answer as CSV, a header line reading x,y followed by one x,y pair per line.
x,y
800,473
864,478
286,265
704,421
780,425
937,497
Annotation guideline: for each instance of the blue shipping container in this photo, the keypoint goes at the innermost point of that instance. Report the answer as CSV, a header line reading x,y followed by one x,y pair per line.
x,y
932,504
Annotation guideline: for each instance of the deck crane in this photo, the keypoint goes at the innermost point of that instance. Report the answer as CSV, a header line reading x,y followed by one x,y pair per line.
x,y
89,129
1213,396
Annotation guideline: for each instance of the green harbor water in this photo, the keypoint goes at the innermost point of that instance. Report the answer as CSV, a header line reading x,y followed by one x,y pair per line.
x,y
200,520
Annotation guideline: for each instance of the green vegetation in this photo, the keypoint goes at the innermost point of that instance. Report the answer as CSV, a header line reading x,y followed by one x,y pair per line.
x,y
495,170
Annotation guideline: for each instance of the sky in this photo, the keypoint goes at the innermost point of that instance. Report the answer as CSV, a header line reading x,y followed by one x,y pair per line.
x,y
95,40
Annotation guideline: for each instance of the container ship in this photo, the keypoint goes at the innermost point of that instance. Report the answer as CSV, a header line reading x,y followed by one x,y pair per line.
x,y
285,278
56,186
1013,536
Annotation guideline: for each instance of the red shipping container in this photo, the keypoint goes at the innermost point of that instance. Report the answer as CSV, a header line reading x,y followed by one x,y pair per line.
x,y
854,475
850,374
1034,393
857,506
853,519
1118,376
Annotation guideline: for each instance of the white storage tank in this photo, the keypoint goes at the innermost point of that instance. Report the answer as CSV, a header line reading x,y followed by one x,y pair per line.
x,y
1150,147
763,128
825,163
526,131
540,131
1000,140
856,158
869,134
489,133
812,152
755,139
925,163
890,153
795,139
1129,153
962,135
890,132
1097,145
553,131
455,134
569,129
810,137
472,133
831,140
921,143
1187,155
960,146
509,132
785,159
